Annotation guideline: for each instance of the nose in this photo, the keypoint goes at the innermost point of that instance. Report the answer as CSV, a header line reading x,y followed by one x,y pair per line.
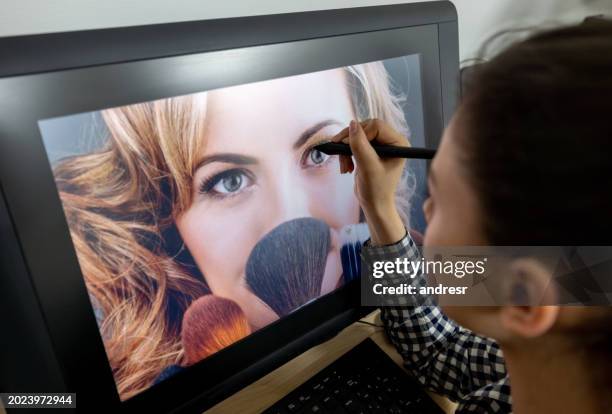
x,y
291,198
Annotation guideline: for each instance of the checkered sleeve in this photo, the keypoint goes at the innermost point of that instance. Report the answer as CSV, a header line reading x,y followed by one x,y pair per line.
x,y
444,357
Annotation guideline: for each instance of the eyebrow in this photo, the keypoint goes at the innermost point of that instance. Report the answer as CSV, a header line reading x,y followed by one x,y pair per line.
x,y
313,130
246,160
226,157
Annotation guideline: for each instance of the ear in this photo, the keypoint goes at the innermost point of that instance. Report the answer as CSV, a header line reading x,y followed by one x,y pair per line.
x,y
532,310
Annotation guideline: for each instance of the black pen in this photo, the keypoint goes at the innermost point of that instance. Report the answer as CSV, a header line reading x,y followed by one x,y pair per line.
x,y
385,151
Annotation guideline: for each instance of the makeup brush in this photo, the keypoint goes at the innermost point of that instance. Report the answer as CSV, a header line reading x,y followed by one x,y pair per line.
x,y
384,151
286,267
352,238
210,324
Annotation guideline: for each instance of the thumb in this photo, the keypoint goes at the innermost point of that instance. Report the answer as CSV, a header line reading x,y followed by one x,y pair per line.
x,y
360,146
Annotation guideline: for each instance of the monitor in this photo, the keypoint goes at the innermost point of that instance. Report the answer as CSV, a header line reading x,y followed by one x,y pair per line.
x,y
171,234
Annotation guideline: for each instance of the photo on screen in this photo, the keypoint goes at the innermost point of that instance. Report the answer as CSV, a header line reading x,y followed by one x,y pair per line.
x,y
202,218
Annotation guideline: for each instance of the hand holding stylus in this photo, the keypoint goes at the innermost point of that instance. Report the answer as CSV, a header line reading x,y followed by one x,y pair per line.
x,y
376,178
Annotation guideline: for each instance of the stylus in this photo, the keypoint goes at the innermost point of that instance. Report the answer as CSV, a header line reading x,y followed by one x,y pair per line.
x,y
385,151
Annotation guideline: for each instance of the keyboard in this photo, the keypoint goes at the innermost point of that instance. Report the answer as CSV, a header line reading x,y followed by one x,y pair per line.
x,y
364,380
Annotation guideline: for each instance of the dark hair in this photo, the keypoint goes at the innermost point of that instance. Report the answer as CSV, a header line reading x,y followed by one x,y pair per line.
x,y
536,125
537,128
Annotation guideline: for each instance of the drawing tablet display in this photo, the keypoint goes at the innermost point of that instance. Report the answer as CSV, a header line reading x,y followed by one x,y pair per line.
x,y
199,219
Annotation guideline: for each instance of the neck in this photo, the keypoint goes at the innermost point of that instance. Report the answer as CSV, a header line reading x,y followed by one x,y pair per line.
x,y
546,381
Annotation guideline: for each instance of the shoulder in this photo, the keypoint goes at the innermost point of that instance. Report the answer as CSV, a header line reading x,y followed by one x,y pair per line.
x,y
491,398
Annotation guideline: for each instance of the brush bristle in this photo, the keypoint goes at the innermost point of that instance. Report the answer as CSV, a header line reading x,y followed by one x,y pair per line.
x,y
210,324
286,267
352,238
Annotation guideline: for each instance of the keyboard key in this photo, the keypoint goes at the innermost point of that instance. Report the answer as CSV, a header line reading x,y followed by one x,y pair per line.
x,y
394,410
383,399
352,384
292,407
403,403
364,395
329,402
353,407
315,409
348,403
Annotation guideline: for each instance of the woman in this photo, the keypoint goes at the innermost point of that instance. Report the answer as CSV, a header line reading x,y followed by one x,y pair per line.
x,y
525,161
215,171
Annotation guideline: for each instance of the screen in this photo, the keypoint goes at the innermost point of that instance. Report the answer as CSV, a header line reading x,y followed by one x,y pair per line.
x,y
199,219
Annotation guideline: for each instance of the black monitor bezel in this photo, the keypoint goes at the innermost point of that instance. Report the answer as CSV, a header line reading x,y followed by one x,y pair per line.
x,y
28,93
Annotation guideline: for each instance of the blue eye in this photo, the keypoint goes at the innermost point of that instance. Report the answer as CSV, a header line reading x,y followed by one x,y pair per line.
x,y
315,158
230,184
226,183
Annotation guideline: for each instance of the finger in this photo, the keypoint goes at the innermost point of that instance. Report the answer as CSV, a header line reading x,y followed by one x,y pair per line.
x,y
344,163
340,135
350,165
383,133
347,163
357,187
360,146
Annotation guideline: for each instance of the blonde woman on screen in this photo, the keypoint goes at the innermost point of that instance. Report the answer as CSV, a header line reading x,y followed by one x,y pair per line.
x,y
215,171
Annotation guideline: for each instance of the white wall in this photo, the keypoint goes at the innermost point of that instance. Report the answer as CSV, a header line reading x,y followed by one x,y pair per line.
x,y
481,19
478,19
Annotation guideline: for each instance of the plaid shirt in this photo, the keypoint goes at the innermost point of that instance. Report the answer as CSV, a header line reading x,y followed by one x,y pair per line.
x,y
444,357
